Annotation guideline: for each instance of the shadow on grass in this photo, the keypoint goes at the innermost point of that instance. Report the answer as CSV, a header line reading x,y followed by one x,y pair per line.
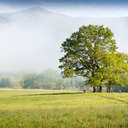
x,y
114,99
46,94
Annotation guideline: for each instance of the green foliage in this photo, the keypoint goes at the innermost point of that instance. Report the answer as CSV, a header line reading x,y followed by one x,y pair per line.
x,y
91,53
85,48
115,69
4,83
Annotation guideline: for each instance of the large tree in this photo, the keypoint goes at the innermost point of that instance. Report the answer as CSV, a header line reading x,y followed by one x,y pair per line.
x,y
84,52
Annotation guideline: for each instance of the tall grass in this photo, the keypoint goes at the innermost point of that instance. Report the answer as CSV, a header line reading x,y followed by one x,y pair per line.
x,y
38,109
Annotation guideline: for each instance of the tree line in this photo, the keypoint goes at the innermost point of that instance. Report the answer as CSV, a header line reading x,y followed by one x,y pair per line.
x,y
92,53
48,79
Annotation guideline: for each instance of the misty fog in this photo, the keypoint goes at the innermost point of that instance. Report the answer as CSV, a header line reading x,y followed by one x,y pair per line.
x,y
30,39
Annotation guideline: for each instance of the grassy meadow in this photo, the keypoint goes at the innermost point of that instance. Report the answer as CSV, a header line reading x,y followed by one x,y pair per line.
x,y
57,109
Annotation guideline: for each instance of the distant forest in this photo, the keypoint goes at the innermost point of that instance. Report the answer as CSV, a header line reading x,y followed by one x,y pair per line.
x,y
48,79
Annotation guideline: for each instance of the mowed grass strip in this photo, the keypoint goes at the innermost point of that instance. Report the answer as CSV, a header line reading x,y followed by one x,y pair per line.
x,y
41,109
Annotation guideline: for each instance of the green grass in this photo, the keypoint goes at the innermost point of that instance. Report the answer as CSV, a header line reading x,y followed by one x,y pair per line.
x,y
41,109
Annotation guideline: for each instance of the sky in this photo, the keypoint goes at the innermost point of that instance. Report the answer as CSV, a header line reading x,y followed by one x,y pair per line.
x,y
31,31
92,8
114,2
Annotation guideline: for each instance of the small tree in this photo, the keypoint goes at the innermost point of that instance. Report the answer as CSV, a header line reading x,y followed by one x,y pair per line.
x,y
84,52
115,70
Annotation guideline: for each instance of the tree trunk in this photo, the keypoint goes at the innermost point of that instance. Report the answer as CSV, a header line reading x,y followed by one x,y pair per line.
x,y
94,89
100,88
84,91
109,89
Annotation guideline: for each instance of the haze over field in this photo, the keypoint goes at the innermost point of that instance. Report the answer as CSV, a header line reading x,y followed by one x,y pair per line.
x,y
30,38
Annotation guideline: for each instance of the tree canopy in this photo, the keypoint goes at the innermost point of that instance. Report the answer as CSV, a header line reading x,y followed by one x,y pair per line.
x,y
91,52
